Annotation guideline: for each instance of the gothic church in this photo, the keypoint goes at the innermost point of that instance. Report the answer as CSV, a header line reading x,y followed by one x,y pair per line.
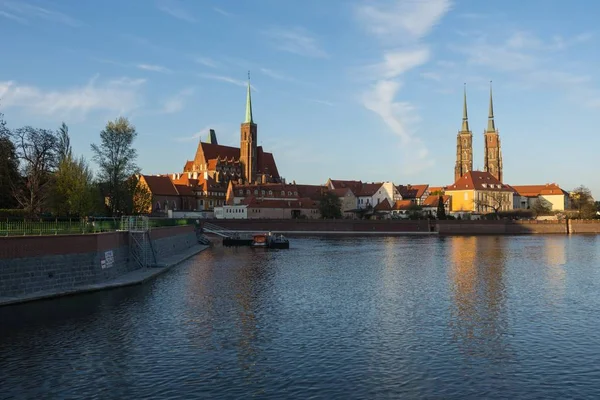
x,y
492,162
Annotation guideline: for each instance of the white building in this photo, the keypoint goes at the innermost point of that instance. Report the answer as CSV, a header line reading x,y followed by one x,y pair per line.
x,y
239,211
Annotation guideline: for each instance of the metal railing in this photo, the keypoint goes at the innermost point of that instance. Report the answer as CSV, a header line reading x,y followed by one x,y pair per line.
x,y
21,227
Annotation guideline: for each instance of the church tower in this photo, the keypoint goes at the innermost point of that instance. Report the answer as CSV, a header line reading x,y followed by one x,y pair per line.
x,y
492,162
464,144
248,141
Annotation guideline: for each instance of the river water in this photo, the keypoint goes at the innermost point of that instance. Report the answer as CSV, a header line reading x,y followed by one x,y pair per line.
x,y
380,317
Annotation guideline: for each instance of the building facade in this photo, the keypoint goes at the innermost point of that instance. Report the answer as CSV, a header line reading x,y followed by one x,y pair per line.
x,y
480,192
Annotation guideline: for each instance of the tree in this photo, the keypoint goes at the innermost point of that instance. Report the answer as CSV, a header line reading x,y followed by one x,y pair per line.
x,y
116,158
73,187
330,206
142,198
541,207
583,202
64,142
36,149
494,201
441,210
9,167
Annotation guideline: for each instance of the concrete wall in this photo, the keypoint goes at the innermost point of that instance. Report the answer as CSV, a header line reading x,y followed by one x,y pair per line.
x,y
31,264
38,263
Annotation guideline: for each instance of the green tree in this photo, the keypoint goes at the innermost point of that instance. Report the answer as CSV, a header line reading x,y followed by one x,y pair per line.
x,y
142,198
116,158
9,167
36,150
73,187
64,142
441,210
330,206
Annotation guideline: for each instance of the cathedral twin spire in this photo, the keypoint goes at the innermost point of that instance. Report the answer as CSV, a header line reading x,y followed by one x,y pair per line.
x,y
464,150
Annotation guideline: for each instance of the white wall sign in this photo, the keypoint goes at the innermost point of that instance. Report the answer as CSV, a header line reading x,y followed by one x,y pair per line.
x,y
108,261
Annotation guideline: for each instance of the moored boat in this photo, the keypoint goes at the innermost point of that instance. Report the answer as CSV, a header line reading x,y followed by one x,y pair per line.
x,y
270,241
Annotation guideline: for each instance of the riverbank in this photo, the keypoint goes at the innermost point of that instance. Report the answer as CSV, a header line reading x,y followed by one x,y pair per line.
x,y
34,268
402,227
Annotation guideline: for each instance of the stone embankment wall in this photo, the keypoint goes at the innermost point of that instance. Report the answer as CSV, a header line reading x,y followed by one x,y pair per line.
x,y
503,227
31,264
454,227
584,226
340,225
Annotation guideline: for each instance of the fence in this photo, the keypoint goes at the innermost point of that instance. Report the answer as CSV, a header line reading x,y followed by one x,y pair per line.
x,y
20,227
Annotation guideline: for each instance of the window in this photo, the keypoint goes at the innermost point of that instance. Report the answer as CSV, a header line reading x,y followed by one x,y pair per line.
x,y
241,192
289,193
466,196
283,192
270,193
255,191
262,192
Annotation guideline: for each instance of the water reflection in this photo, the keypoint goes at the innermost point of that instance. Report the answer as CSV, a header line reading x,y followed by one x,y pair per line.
x,y
478,316
554,248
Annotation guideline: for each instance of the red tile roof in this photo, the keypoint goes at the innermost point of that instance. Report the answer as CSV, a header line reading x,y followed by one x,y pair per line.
x,y
536,190
432,201
266,161
412,191
433,189
369,189
403,205
189,165
384,206
184,190
355,186
311,191
342,192
479,180
160,185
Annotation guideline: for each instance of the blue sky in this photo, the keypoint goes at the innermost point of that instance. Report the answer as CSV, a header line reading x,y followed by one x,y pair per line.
x,y
368,90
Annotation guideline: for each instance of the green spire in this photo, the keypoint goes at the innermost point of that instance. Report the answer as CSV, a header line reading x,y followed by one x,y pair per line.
x,y
248,104
465,121
491,126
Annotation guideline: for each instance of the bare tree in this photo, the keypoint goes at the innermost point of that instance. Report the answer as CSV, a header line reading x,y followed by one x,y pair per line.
x,y
494,201
37,151
582,201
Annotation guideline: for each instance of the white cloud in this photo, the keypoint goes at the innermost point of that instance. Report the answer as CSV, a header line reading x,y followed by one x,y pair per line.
x,y
13,17
297,41
401,20
174,9
27,11
206,61
119,96
404,23
154,68
222,12
176,103
397,62
227,79
324,102
202,133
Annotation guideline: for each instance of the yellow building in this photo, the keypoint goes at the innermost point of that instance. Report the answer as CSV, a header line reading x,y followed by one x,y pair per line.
x,y
479,192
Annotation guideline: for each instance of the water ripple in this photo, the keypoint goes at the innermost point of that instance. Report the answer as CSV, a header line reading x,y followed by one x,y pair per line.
x,y
405,317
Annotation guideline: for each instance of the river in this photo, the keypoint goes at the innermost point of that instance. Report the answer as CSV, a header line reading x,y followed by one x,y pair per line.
x,y
376,317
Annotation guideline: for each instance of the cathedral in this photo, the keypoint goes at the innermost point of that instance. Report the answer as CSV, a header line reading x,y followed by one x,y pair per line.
x,y
246,164
492,162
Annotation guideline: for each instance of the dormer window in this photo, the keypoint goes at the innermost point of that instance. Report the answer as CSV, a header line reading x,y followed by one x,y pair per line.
x,y
484,185
255,191
270,193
